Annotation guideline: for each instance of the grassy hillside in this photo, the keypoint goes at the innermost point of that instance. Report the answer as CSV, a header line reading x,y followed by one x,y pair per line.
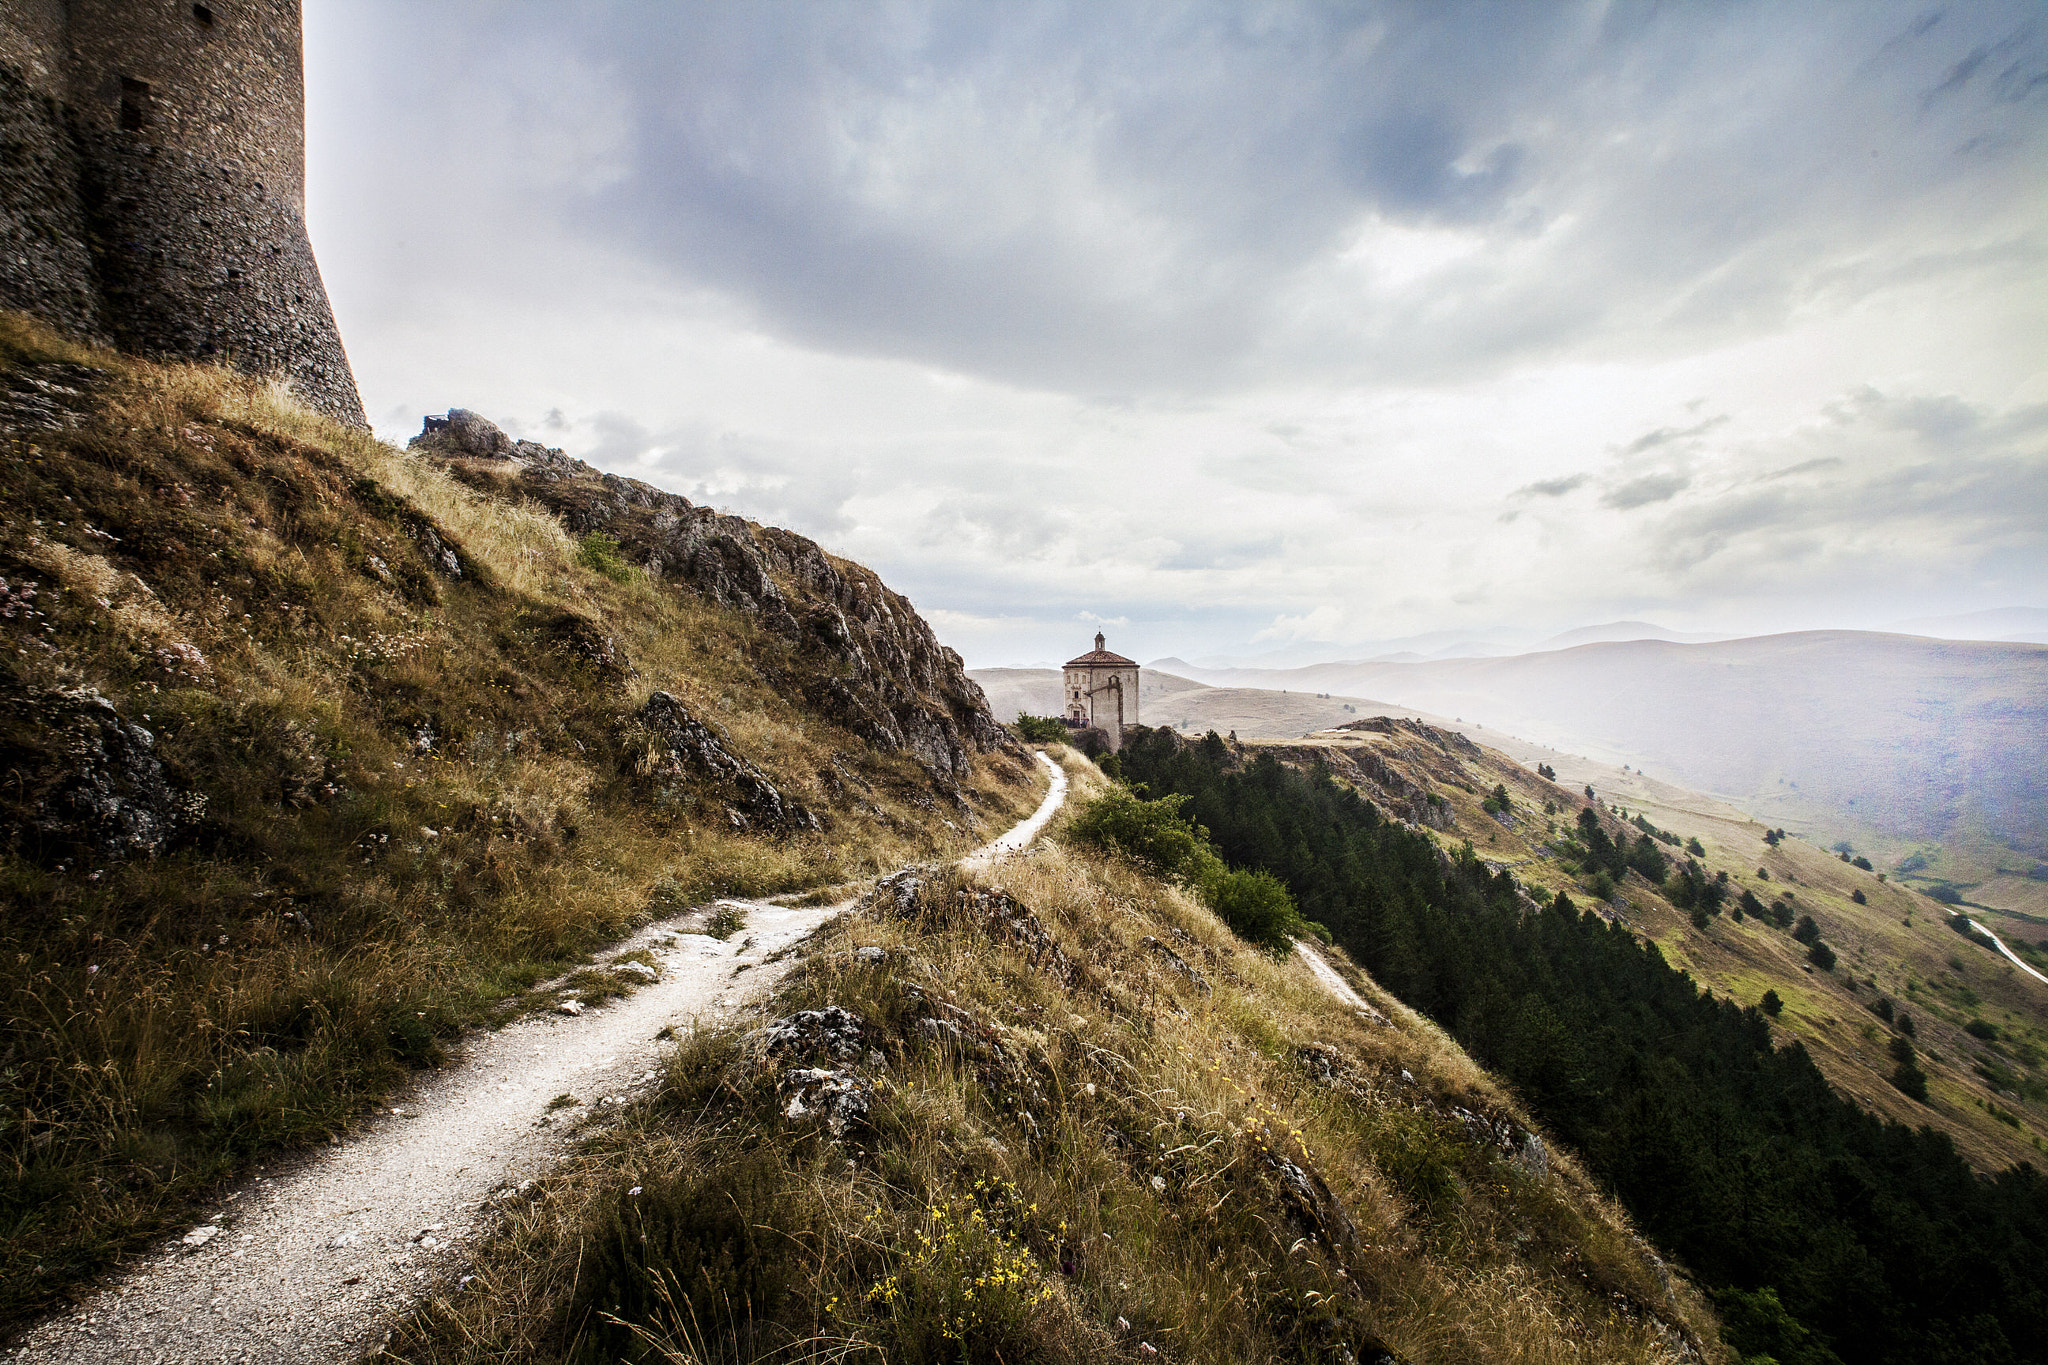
x,y
1824,1232
318,751
1087,1124
1989,1095
1889,741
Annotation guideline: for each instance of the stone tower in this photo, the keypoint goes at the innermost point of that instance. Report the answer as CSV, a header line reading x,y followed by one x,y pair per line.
x,y
1101,691
153,184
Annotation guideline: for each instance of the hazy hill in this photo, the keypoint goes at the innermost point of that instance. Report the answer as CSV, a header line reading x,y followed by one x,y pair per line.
x,y
1614,632
1999,623
1849,734
1182,704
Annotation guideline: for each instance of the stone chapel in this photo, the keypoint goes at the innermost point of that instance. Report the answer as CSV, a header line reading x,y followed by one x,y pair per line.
x,y
1101,691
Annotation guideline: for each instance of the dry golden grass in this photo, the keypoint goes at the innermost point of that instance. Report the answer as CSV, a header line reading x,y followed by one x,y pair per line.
x,y
1108,1151
416,805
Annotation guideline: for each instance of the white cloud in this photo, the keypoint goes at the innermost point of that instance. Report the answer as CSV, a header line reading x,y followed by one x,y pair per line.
x,y
1333,326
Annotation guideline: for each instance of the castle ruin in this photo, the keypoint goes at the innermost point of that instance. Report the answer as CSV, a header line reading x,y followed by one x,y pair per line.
x,y
153,184
1101,691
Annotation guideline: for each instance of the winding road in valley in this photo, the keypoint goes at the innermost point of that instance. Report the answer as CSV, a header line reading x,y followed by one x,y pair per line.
x,y
2010,955
312,1259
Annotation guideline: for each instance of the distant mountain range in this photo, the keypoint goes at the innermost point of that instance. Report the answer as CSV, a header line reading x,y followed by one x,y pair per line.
x,y
2008,624
2000,623
1903,737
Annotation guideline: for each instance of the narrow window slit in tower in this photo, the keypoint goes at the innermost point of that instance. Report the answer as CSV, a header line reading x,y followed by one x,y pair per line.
x,y
134,105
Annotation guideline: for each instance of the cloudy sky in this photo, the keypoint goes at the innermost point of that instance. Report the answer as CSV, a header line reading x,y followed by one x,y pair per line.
x,y
1238,327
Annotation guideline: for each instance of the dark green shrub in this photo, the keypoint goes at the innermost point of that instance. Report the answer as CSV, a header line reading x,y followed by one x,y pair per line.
x,y
1808,931
1859,898
1821,956
1760,1329
1978,1028
1154,833
1772,1004
1907,1076
1039,729
1645,857
1256,906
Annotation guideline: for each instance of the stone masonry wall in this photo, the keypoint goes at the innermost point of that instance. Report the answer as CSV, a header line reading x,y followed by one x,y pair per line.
x,y
179,131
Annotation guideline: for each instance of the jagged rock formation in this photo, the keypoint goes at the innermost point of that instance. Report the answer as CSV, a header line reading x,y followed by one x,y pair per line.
x,y
86,778
874,665
681,748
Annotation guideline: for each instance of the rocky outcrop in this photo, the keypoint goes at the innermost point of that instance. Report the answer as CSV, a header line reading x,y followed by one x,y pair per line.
x,y
463,434
86,779
836,1093
864,657
1177,964
833,1033
684,753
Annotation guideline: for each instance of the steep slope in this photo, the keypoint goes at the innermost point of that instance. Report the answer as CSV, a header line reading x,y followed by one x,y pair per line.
x,y
1989,1095
1889,741
1052,1110
318,752
1824,1232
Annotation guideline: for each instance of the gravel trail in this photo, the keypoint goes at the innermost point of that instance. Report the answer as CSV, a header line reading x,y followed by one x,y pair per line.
x,y
311,1259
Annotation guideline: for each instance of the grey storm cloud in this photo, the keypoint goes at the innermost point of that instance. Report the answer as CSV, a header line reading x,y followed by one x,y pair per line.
x,y
1904,491
1229,315
1111,197
1552,488
1642,491
1664,436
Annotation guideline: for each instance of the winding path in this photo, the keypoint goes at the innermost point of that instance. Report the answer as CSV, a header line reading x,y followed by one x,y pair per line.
x,y
2011,956
311,1260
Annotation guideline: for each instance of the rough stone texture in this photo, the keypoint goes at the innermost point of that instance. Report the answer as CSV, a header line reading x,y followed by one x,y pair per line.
x,y
840,1098
1009,919
92,784
46,267
896,896
1178,965
152,187
683,749
872,664
463,434
834,1032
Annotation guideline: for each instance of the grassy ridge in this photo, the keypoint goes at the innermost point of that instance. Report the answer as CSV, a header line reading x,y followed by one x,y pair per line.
x,y
388,774
1076,1151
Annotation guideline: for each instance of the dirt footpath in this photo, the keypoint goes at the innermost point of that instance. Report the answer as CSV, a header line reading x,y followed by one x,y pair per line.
x,y
311,1260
